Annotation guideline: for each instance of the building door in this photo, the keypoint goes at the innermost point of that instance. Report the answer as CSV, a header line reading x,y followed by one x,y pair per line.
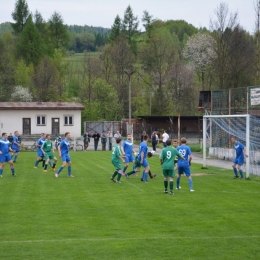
x,y
55,126
26,126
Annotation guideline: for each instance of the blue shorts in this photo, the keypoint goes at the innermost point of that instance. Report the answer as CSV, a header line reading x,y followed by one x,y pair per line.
x,y
65,158
39,153
129,158
184,169
239,161
145,163
5,158
16,149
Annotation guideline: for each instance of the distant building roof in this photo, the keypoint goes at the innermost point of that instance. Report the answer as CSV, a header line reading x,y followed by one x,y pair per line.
x,y
41,106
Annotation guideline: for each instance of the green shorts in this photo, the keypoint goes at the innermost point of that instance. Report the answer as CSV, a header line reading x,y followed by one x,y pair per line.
x,y
137,163
117,165
49,155
168,173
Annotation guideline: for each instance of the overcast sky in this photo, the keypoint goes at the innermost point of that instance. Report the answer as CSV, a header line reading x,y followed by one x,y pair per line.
x,y
103,12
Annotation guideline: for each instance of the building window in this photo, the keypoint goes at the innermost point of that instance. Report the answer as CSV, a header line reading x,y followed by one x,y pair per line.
x,y
68,120
41,120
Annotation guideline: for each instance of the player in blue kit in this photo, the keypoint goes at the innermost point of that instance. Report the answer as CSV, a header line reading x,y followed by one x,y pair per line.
x,y
240,156
143,150
127,151
64,154
184,165
40,155
16,146
4,154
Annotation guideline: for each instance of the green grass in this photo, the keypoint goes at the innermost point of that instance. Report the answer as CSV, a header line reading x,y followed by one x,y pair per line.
x,y
89,217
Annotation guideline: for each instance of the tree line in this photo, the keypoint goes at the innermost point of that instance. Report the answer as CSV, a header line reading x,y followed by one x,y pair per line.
x,y
165,66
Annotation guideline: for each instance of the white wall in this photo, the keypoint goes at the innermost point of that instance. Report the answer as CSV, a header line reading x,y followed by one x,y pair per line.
x,y
12,120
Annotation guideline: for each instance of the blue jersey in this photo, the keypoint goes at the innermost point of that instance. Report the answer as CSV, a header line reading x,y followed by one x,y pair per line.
x,y
4,146
15,139
185,151
128,147
239,147
142,148
40,142
64,146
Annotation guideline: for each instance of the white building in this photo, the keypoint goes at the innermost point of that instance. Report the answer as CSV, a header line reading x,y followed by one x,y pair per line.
x,y
28,118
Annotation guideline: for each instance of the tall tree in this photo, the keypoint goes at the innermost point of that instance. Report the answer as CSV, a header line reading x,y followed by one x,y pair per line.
x,y
123,60
20,16
30,46
45,81
222,29
148,23
130,28
158,57
58,31
116,29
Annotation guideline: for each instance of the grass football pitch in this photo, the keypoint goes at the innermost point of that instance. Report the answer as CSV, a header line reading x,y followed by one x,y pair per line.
x,y
89,217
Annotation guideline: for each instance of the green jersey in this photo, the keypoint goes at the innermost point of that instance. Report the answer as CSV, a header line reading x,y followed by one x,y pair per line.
x,y
47,146
168,155
116,152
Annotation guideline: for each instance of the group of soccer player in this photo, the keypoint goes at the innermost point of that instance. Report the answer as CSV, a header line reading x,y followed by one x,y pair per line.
x,y
45,153
123,151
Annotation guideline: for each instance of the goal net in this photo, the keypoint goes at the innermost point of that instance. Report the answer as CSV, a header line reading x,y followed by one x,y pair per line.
x,y
217,146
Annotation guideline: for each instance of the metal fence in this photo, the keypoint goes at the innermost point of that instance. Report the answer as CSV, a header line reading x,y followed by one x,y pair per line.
x,y
244,100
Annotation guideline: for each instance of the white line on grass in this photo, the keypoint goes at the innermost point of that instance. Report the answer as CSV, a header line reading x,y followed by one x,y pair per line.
x,y
123,239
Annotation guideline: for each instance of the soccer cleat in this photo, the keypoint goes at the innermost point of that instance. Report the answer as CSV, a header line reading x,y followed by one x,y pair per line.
x,y
118,181
127,176
145,181
35,167
141,179
135,174
178,188
13,174
56,175
112,179
53,169
71,176
171,193
165,191
45,171
191,190
1,175
235,177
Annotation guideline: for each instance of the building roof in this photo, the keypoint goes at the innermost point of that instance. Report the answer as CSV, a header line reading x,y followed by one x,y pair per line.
x,y
41,106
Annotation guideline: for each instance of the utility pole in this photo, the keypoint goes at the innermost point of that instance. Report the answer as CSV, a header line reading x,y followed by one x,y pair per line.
x,y
129,74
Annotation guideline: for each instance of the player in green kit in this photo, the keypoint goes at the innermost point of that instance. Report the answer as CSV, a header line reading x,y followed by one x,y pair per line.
x,y
47,150
116,159
167,157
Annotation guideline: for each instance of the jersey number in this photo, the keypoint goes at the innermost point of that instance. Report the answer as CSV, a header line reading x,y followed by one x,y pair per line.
x,y
168,154
182,152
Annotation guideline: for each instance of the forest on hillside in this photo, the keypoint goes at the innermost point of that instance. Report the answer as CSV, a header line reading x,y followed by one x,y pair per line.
x,y
165,66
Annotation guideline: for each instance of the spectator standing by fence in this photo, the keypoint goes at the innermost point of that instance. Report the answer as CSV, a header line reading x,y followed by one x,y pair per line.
x,y
117,135
96,137
154,138
109,138
86,140
165,138
103,140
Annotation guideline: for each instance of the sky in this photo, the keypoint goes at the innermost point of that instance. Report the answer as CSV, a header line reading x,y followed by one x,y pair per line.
x,y
103,12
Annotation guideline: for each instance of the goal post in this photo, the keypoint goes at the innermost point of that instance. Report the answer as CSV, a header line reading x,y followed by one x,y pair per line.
x,y
217,130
